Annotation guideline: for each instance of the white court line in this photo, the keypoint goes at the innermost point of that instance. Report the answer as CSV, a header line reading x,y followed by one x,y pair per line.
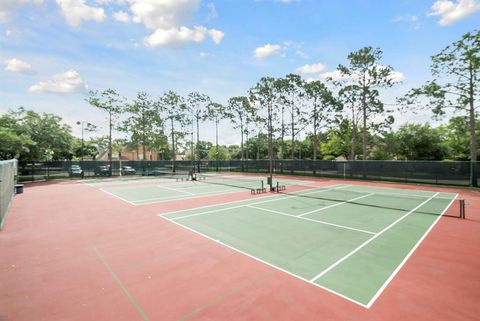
x,y
121,198
370,240
394,273
330,187
312,220
413,196
264,262
336,204
175,190
254,203
181,197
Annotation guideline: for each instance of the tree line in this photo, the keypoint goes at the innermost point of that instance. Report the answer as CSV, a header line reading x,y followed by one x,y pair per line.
x,y
281,118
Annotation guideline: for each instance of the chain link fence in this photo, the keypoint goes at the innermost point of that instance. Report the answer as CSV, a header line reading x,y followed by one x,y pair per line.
x,y
430,172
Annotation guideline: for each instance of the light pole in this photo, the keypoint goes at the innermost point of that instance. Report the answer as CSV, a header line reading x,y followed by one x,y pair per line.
x,y
90,127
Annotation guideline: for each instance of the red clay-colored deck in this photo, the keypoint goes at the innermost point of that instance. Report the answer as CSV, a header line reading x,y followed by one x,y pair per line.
x,y
71,252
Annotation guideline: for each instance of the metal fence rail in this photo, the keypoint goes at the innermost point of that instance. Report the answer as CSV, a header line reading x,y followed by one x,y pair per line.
x,y
8,175
430,172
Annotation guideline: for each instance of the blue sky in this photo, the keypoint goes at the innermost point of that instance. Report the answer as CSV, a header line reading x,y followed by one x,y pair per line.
x,y
53,52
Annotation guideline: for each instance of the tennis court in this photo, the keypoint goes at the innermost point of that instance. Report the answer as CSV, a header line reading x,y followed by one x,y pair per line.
x,y
163,248
349,240
169,188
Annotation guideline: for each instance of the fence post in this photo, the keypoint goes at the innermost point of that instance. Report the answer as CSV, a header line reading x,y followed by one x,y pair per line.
x,y
473,173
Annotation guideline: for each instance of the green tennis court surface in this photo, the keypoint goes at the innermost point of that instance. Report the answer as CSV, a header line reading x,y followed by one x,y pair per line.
x,y
169,189
350,240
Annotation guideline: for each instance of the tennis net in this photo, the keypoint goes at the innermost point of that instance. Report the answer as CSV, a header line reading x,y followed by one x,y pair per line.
x,y
8,175
380,200
237,181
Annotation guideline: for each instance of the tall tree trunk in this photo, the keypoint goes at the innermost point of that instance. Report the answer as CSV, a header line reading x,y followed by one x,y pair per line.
x,y
258,146
241,143
282,141
315,137
246,147
197,117
315,140
364,129
354,134
270,144
110,136
293,136
216,142
192,146
473,132
143,136
174,154
110,141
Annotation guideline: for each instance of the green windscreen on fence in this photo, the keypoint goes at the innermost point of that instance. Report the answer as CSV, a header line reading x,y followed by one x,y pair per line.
x,y
8,173
431,172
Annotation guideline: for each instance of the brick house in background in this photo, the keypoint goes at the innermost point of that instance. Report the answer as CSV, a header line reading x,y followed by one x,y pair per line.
x,y
129,155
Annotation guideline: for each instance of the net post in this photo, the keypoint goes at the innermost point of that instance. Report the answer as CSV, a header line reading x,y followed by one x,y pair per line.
x,y
462,209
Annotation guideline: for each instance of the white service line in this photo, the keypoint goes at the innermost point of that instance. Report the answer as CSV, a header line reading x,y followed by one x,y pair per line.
x,y
121,198
336,204
175,190
254,203
320,188
264,262
312,220
379,292
370,239
182,197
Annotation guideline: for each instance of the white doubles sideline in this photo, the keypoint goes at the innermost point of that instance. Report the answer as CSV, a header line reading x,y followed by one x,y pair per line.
x,y
390,278
264,262
312,281
371,239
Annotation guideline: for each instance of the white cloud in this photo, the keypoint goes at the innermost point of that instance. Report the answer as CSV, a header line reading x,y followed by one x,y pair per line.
x,y
75,11
181,36
216,35
122,16
163,14
395,76
206,54
335,75
8,6
406,18
266,51
311,69
18,66
68,82
301,54
452,12
213,11
168,20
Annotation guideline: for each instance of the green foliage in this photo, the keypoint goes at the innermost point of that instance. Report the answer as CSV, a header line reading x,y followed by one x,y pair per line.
x,y
456,138
221,155
241,113
419,142
39,136
145,124
110,101
12,145
455,84
364,77
175,115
